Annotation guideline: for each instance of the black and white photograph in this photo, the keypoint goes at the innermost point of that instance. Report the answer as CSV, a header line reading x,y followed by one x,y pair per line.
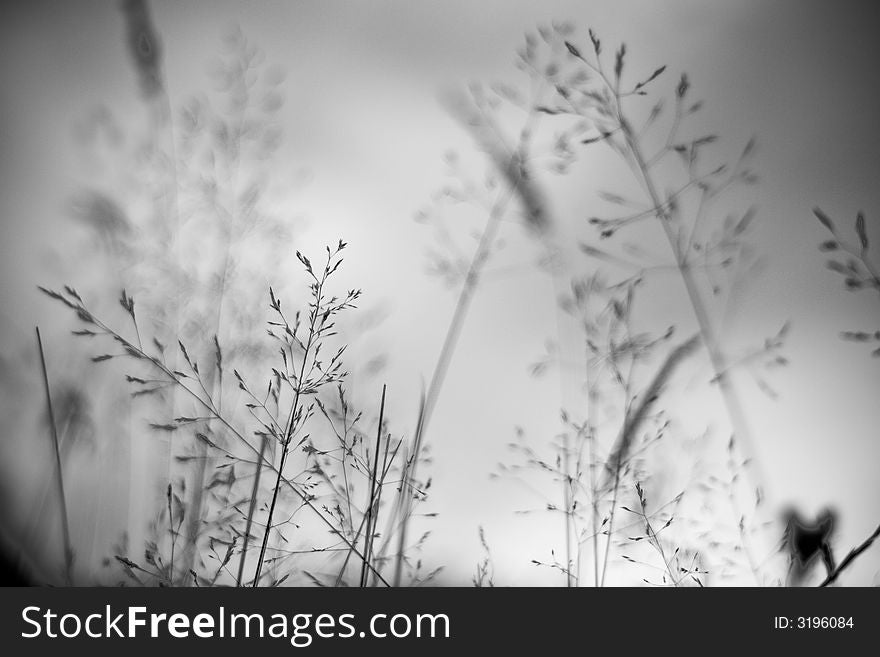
x,y
410,294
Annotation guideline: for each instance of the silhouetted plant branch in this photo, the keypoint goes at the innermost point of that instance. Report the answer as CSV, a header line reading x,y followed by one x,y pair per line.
x,y
849,558
858,271
313,374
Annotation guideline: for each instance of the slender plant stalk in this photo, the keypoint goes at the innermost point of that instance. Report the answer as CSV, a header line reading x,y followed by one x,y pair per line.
x,y
642,169
214,381
65,526
374,483
849,558
634,419
610,530
172,535
510,163
631,425
713,347
567,501
288,434
355,537
594,494
357,534
387,460
251,508
462,306
392,522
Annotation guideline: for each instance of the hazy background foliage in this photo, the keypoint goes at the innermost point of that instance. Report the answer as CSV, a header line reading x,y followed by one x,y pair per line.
x,y
351,136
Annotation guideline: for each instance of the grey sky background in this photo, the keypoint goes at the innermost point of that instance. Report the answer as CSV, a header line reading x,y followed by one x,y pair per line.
x,y
365,133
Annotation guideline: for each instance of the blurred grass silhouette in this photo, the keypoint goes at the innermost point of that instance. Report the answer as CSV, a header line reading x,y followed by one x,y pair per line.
x,y
572,103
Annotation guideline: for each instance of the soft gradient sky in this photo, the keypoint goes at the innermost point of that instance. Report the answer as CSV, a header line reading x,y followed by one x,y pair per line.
x,y
363,117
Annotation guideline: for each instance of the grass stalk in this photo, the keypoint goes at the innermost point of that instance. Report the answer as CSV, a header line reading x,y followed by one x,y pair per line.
x,y
849,558
251,508
450,341
631,424
594,494
65,525
172,535
510,164
713,346
374,484
641,167
288,435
